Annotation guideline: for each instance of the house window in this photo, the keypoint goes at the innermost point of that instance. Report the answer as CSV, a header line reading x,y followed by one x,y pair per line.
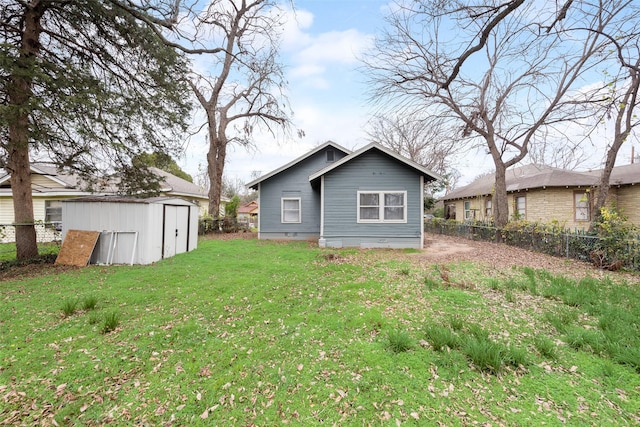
x,y
330,156
53,211
467,210
382,206
520,205
582,206
291,210
488,208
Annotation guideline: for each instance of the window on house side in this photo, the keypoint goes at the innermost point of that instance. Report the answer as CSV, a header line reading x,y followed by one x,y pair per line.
x,y
521,207
330,156
467,210
53,211
381,206
291,210
582,206
488,212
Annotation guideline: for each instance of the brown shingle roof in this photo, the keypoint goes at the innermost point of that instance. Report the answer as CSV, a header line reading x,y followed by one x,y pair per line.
x,y
540,176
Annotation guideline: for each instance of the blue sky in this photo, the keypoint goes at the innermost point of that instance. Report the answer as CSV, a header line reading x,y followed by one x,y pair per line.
x,y
321,44
320,49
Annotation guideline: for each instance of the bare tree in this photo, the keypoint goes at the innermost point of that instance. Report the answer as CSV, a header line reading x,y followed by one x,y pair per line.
x,y
561,150
622,31
236,78
517,91
421,139
622,104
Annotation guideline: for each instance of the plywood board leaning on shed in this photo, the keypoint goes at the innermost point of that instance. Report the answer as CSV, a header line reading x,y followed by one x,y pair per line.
x,y
77,247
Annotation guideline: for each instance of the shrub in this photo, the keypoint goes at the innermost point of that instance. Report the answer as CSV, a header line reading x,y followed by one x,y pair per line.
x,y
69,307
485,354
545,346
611,250
441,337
477,332
89,303
110,323
515,356
399,341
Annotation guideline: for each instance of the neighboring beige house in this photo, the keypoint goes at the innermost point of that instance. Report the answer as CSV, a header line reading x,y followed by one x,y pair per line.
x,y
50,187
546,194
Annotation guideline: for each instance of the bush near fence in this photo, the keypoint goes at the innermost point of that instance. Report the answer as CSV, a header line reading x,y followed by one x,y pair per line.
x,y
604,252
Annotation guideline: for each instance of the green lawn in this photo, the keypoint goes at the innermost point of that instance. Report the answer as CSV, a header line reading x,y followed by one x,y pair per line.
x,y
244,332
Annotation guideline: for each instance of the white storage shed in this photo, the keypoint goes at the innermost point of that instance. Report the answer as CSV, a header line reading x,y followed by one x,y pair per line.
x,y
133,230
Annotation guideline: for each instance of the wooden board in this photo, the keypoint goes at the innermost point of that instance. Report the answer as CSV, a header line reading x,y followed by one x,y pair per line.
x,y
77,247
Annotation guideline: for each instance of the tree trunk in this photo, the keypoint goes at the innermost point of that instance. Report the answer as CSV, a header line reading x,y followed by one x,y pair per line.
x,y
18,163
623,125
25,231
501,199
215,160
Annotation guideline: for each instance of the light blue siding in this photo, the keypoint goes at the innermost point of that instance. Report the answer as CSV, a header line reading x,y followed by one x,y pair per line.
x,y
371,171
293,183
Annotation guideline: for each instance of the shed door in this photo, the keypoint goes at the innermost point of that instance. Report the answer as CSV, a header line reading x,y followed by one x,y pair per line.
x,y
176,230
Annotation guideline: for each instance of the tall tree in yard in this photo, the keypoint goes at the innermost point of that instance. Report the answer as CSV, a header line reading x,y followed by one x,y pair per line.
x,y
85,85
616,100
505,73
237,79
622,102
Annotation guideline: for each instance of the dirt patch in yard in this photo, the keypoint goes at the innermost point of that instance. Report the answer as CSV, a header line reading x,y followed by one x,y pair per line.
x,y
499,257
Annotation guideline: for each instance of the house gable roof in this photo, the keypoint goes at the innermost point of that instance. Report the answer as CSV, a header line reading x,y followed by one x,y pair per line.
x,y
254,184
248,208
61,179
177,186
431,176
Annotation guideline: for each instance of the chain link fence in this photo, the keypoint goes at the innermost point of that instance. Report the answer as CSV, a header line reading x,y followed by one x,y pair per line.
x,y
48,236
580,246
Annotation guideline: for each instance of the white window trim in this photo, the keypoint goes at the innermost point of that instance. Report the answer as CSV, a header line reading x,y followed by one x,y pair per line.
x,y
586,208
282,200
381,219
466,206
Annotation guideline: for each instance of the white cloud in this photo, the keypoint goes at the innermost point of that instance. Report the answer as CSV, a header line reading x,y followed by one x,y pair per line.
x,y
294,36
321,68
335,47
308,70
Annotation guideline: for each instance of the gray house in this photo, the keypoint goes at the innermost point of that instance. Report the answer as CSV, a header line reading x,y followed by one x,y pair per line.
x,y
371,198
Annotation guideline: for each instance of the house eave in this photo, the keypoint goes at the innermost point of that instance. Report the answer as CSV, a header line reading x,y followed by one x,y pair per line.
x,y
424,171
254,184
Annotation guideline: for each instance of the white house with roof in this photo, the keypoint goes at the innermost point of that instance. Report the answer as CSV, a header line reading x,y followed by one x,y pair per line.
x,y
50,187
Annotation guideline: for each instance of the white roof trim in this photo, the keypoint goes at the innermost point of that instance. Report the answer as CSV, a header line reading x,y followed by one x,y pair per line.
x,y
385,150
51,177
299,159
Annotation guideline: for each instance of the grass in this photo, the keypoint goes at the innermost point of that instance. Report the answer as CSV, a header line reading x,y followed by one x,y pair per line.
x,y
69,307
246,332
47,252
